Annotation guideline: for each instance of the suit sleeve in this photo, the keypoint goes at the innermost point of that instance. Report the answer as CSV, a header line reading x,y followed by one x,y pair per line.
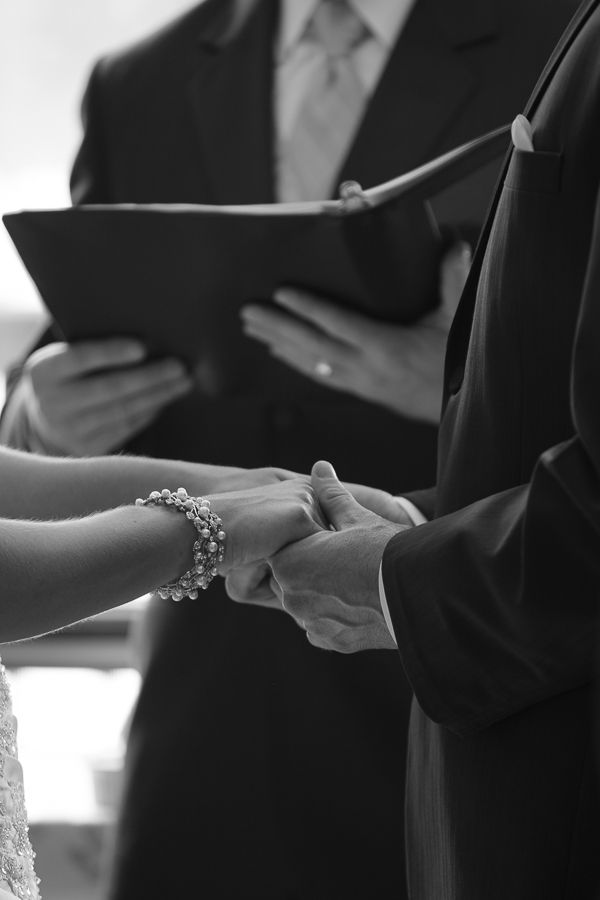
x,y
88,185
495,606
89,181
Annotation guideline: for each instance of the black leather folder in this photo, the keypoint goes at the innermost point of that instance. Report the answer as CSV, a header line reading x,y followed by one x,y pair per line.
x,y
176,275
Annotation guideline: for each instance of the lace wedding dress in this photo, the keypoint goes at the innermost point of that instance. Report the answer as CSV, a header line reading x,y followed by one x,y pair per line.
x,y
17,874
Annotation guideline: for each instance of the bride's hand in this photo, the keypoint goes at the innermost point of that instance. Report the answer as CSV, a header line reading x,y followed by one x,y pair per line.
x,y
229,478
260,521
254,584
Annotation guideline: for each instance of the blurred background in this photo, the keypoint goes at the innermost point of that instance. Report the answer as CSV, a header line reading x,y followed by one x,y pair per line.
x,y
73,692
46,52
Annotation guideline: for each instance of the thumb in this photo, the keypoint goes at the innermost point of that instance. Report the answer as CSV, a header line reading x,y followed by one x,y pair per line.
x,y
338,505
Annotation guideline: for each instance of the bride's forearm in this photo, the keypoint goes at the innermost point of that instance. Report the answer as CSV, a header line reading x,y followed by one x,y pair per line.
x,y
42,487
54,573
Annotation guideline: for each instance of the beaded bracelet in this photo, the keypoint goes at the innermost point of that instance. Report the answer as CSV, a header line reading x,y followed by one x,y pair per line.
x,y
209,547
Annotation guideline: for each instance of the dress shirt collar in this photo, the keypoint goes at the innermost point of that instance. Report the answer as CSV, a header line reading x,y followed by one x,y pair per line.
x,y
383,18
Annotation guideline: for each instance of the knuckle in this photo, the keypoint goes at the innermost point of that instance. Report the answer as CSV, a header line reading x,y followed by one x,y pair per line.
x,y
318,629
293,604
315,641
119,383
346,641
306,495
322,643
266,475
302,517
340,646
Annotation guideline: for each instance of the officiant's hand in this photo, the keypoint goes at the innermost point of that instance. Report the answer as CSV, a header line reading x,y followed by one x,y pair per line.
x,y
329,581
90,397
254,583
400,367
260,521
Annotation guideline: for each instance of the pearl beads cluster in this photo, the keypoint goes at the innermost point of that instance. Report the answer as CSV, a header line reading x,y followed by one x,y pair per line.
x,y
209,547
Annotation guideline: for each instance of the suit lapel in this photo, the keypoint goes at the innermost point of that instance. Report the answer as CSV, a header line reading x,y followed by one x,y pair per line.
x,y
458,339
230,93
425,81
569,35
231,90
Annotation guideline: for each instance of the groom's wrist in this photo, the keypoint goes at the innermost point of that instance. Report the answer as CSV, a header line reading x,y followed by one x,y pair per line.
x,y
417,518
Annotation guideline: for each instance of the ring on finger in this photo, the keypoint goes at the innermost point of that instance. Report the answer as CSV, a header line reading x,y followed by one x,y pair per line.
x,y
323,369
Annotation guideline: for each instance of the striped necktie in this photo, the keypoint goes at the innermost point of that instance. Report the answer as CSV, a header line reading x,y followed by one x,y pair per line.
x,y
331,110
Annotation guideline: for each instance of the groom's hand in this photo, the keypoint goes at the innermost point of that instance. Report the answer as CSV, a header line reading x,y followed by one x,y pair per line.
x,y
329,580
380,502
254,584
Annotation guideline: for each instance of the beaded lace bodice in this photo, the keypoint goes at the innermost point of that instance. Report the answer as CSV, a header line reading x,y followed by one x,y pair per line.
x,y
17,874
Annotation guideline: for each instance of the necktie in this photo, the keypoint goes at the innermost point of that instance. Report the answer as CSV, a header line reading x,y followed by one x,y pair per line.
x,y
331,110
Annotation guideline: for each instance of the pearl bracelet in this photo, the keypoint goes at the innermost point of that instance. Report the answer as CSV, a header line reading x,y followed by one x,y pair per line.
x,y
209,547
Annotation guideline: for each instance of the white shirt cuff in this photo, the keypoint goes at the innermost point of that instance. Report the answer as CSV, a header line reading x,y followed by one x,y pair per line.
x,y
417,518
384,606
415,514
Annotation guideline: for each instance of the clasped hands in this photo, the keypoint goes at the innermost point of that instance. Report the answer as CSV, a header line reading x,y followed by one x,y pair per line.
x,y
313,548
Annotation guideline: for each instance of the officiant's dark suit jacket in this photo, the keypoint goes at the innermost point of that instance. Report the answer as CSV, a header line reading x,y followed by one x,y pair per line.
x,y
495,602
259,767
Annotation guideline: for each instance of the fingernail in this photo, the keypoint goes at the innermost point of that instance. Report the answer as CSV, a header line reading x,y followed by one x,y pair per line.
x,y
252,315
285,295
323,469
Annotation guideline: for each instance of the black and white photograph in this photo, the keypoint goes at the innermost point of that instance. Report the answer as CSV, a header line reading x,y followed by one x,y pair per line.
x,y
300,450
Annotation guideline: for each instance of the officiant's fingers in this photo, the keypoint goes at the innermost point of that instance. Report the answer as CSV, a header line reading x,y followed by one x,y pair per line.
x,y
61,361
124,408
103,439
307,350
272,325
279,329
108,388
337,321
339,375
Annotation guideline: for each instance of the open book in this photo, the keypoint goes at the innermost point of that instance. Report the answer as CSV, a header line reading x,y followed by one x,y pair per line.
x,y
176,275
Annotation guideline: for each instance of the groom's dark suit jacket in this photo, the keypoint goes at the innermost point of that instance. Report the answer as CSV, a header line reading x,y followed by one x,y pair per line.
x,y
495,602
259,767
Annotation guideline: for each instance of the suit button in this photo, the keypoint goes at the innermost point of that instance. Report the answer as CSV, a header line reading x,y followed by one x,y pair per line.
x,y
455,380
